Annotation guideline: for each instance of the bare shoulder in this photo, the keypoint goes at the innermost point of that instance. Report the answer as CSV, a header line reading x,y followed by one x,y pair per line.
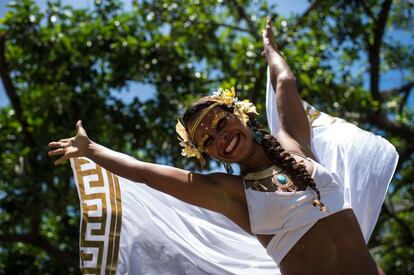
x,y
231,201
231,186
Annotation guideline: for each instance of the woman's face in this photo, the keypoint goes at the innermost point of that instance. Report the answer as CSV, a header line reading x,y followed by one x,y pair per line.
x,y
223,136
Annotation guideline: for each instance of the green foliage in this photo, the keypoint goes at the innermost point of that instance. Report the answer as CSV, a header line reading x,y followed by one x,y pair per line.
x,y
68,64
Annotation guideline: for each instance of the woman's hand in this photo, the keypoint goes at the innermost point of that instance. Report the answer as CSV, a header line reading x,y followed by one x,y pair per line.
x,y
76,146
269,43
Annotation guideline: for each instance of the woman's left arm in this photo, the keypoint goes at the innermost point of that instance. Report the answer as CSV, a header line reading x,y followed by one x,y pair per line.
x,y
293,119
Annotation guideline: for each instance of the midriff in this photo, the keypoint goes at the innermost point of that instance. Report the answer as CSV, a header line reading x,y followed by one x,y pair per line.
x,y
334,245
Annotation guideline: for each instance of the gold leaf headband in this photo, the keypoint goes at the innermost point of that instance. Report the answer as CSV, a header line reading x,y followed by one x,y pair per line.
x,y
227,97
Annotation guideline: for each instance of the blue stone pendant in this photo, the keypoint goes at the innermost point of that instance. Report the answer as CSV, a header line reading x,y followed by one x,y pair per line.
x,y
281,179
283,183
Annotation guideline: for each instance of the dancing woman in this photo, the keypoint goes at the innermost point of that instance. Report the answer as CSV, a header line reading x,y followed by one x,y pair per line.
x,y
295,207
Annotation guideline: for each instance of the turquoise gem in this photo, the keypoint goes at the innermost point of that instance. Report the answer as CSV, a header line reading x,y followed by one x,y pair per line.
x,y
281,179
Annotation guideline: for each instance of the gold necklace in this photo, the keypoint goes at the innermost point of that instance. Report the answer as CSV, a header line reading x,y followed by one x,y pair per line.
x,y
271,171
281,180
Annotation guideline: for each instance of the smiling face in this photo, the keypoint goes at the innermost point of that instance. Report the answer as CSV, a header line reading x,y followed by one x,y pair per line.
x,y
223,136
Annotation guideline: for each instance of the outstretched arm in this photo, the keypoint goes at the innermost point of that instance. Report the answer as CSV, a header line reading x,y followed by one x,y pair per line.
x,y
293,119
182,184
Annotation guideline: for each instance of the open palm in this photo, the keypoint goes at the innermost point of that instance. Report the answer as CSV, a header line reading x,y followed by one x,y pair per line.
x,y
70,147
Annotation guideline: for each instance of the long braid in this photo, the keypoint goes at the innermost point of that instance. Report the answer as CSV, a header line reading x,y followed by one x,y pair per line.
x,y
280,157
273,149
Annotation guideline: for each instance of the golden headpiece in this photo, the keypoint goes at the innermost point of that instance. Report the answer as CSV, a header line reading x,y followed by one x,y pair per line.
x,y
227,97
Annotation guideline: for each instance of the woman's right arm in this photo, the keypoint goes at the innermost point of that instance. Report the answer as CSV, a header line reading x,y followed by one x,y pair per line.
x,y
294,123
182,184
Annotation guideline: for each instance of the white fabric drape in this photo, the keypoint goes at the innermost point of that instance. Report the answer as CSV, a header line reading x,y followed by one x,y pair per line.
x,y
365,162
138,230
159,234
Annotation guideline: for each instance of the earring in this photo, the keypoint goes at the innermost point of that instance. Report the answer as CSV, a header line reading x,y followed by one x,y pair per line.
x,y
257,135
228,168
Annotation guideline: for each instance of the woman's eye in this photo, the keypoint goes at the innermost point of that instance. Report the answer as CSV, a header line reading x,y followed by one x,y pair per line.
x,y
221,123
208,142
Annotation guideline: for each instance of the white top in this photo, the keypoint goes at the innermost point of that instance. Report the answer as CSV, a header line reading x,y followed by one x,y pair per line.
x,y
278,212
289,215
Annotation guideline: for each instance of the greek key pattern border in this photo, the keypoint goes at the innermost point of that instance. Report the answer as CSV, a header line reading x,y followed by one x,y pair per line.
x,y
101,217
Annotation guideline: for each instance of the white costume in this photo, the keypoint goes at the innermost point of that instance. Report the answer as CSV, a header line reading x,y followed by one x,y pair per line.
x,y
129,228
289,215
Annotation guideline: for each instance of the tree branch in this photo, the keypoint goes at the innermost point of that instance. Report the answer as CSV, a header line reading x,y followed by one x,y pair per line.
x,y
395,128
375,48
11,92
403,89
243,15
216,24
405,228
404,101
39,241
31,142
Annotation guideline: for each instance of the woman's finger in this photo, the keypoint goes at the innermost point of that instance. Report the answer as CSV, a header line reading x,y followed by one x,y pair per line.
x,y
69,153
58,144
55,144
79,125
59,151
62,159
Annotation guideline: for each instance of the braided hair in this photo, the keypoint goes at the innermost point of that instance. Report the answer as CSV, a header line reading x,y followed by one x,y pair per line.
x,y
273,149
280,157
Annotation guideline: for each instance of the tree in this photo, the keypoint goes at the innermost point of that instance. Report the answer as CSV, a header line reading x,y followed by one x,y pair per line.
x,y
68,64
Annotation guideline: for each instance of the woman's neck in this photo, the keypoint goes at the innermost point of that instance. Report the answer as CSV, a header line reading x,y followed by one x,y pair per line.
x,y
257,161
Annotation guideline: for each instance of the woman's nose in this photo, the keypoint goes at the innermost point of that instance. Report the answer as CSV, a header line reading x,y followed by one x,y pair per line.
x,y
222,138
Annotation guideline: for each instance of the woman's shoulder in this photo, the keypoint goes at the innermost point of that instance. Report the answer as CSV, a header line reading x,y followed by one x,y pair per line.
x,y
231,185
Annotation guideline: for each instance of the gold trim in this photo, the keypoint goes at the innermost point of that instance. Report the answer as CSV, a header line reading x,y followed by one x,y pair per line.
x,y
117,235
312,113
101,243
200,117
269,172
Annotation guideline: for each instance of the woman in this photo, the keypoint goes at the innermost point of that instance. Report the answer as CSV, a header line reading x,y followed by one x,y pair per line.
x,y
293,205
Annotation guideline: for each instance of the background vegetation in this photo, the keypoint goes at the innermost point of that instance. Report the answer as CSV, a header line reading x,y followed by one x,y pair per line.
x,y
66,64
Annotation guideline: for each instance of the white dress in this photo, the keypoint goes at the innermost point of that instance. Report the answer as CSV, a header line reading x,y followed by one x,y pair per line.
x,y
129,228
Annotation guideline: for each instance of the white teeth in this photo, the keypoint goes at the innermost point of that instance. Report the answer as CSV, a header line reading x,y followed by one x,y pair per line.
x,y
231,145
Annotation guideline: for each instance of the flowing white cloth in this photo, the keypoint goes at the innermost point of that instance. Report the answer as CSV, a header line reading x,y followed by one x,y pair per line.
x,y
365,162
129,228
158,233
